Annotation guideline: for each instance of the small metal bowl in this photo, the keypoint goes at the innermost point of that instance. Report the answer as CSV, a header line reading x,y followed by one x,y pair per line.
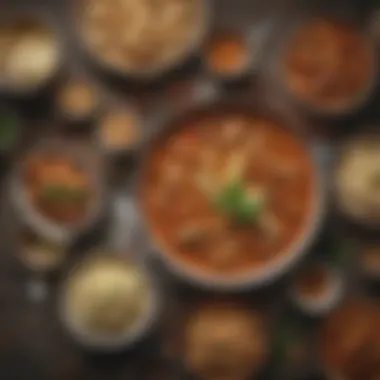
x,y
111,343
22,20
44,226
356,102
325,303
128,112
80,117
149,74
228,36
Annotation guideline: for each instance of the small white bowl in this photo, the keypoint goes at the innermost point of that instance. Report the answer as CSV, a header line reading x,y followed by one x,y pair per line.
x,y
325,303
109,343
34,21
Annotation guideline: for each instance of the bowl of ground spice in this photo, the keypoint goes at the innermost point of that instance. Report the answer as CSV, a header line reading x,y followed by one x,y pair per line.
x,y
78,100
227,55
119,131
318,289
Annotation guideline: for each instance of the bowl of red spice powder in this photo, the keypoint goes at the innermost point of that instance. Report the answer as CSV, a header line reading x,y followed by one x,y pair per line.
x,y
227,55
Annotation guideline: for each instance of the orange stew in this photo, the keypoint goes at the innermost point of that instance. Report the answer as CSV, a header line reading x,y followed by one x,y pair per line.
x,y
58,187
328,63
228,193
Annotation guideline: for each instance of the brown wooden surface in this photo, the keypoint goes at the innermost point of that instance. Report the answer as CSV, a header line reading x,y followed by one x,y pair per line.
x,y
32,343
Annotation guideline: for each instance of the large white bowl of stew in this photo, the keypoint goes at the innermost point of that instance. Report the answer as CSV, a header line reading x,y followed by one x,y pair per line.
x,y
231,197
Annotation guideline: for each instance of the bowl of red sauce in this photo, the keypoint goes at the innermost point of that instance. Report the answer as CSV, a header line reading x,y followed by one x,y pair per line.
x,y
227,55
230,196
327,66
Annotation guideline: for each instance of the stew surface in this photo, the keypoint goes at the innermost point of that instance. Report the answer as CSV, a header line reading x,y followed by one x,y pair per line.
x,y
328,63
228,192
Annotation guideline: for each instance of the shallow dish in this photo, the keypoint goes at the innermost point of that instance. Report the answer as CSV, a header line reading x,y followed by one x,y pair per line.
x,y
112,342
248,278
319,305
30,33
88,161
149,73
345,106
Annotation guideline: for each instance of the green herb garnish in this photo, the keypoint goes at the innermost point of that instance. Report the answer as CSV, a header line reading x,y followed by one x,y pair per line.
x,y
61,194
236,202
8,130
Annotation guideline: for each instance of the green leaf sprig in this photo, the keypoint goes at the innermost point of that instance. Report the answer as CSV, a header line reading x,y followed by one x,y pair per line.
x,y
239,204
61,194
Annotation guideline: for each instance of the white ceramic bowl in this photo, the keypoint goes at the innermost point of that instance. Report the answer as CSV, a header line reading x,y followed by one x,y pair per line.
x,y
120,341
261,276
44,226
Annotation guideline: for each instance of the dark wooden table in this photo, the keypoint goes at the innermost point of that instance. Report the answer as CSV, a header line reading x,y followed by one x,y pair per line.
x,y
32,343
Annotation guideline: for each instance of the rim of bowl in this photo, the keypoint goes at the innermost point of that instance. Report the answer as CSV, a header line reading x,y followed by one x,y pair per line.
x,y
357,102
43,225
193,46
329,301
118,341
48,26
342,150
257,277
